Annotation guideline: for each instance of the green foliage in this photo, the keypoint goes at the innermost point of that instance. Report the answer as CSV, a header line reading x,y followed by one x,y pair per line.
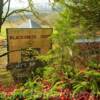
x,y
94,65
17,95
80,86
50,74
2,96
86,13
60,69
33,89
38,71
74,19
63,39
80,16
3,32
45,58
87,80
69,72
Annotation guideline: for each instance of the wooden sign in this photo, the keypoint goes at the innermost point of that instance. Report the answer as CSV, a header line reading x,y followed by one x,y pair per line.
x,y
19,38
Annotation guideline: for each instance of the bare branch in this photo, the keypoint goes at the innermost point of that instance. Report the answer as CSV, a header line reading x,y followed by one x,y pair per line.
x,y
15,11
18,11
33,10
8,52
7,10
5,2
4,54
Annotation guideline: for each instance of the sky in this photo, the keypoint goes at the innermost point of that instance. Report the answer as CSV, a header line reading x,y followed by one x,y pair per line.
x,y
23,3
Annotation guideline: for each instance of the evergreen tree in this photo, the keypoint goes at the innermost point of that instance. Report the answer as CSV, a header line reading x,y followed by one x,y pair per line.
x,y
86,13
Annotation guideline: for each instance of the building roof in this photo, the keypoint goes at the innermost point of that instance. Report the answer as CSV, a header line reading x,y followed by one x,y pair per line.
x,y
30,24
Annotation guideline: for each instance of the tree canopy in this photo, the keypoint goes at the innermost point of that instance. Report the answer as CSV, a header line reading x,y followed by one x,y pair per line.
x,y
86,13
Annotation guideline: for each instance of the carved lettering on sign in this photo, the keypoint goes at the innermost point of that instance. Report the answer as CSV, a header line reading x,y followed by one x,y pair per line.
x,y
19,38
23,37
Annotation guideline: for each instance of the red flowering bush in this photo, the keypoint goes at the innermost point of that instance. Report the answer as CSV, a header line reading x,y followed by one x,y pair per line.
x,y
8,91
43,90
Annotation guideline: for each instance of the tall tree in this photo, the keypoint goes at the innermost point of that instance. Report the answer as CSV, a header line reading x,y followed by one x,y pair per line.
x,y
5,15
86,13
1,12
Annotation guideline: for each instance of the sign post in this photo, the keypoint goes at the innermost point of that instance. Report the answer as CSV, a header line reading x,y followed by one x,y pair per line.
x,y
19,38
21,43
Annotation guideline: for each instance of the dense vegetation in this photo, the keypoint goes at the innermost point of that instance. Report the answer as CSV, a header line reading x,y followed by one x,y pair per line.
x,y
61,78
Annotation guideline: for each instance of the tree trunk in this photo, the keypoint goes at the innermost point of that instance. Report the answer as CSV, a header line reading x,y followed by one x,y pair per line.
x,y
1,12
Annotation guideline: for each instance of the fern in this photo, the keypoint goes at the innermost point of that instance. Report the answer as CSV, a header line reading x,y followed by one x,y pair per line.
x,y
79,87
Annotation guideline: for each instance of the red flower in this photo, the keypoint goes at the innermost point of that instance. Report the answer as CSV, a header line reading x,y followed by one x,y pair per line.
x,y
83,96
47,85
62,98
